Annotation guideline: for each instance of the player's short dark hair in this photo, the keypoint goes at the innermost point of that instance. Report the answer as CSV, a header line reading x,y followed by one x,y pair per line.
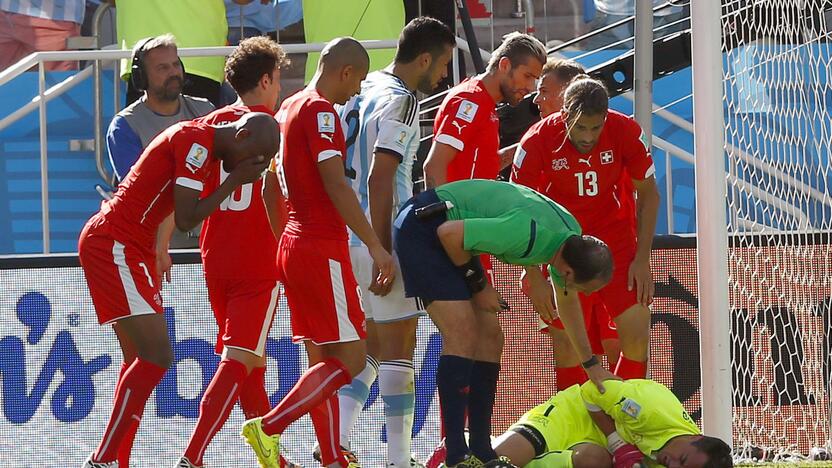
x,y
563,70
253,58
518,48
589,258
718,452
585,96
423,34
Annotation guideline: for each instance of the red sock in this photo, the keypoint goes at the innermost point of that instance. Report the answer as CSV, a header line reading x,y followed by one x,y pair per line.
x,y
569,376
127,442
253,397
128,405
326,421
629,369
316,385
215,407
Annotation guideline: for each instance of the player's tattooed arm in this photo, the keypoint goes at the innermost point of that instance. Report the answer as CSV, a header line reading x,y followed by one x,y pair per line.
x,y
436,164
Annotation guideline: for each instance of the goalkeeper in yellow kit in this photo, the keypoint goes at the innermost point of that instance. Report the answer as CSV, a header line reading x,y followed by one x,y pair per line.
x,y
634,422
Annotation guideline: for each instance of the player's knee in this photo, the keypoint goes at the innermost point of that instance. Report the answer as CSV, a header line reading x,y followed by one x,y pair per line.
x,y
162,356
354,362
591,456
491,332
461,339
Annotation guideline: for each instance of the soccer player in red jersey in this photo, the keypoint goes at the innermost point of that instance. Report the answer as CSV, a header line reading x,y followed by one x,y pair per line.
x,y
466,129
313,254
239,254
117,247
555,77
466,143
588,158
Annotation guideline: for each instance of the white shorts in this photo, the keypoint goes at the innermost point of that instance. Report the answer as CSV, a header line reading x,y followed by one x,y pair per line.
x,y
382,309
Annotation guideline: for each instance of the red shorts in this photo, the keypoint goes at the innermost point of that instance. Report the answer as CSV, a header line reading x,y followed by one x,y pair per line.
x,y
602,307
599,325
244,309
120,276
324,297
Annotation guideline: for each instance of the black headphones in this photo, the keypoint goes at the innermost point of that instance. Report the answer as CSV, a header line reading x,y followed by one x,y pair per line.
x,y
138,77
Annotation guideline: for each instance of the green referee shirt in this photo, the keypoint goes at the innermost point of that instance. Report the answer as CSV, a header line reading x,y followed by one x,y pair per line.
x,y
511,222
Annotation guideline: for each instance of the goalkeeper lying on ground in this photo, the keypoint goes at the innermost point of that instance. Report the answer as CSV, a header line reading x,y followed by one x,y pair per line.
x,y
635,421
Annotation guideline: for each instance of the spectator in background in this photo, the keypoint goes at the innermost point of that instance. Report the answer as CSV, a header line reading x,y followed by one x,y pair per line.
x,y
159,75
28,26
194,23
249,18
157,72
611,11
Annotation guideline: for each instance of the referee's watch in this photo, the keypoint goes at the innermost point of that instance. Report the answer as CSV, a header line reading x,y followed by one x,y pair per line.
x,y
590,362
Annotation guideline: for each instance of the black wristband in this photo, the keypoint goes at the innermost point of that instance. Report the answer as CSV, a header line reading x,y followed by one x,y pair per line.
x,y
590,362
474,275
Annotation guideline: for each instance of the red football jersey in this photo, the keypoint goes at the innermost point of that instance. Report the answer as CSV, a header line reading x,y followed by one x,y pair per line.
x,y
595,187
310,132
467,120
236,241
180,155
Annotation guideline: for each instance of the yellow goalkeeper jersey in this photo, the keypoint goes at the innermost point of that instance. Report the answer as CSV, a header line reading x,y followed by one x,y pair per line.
x,y
646,413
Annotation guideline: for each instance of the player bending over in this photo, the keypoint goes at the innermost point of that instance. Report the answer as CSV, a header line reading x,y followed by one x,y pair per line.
x,y
118,248
634,422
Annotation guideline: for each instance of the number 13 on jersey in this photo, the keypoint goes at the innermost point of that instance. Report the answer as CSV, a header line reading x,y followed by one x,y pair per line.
x,y
587,183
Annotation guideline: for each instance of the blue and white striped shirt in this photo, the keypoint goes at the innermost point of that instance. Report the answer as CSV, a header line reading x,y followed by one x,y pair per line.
x,y
383,117
58,10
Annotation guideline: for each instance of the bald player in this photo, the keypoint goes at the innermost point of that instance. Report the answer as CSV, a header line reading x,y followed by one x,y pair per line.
x,y
118,250
314,258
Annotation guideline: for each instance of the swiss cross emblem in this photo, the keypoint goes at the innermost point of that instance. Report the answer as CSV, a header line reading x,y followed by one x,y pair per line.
x,y
606,157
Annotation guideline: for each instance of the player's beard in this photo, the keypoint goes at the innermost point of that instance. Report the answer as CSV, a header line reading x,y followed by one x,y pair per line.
x,y
510,94
425,85
170,90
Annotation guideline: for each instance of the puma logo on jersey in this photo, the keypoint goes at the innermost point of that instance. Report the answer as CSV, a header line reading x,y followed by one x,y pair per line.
x,y
328,137
586,161
458,126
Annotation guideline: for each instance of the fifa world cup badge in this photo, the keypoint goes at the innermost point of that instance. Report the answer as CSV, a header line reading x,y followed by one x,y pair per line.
x,y
631,408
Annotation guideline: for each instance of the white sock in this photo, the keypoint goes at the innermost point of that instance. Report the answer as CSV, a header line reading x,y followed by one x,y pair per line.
x,y
351,398
396,385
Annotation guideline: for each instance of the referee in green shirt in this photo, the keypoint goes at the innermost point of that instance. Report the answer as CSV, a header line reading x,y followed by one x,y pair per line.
x,y
438,236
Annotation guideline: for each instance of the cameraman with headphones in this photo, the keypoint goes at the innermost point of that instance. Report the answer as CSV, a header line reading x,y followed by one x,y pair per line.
x,y
157,71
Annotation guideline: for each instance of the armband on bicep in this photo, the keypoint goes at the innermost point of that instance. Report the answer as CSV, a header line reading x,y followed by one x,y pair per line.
x,y
474,275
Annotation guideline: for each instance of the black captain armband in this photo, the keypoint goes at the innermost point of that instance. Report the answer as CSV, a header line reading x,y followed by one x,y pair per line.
x,y
474,275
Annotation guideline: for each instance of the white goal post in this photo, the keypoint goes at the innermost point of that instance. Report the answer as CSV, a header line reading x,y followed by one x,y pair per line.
x,y
762,93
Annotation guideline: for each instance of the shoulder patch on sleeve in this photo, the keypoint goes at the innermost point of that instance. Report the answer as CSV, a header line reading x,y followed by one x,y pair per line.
x,y
326,122
643,139
631,408
467,110
519,156
197,156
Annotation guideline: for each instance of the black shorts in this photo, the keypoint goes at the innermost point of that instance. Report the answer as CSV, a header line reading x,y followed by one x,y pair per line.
x,y
427,271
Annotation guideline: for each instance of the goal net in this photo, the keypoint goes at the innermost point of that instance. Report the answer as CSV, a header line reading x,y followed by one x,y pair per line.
x,y
778,129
